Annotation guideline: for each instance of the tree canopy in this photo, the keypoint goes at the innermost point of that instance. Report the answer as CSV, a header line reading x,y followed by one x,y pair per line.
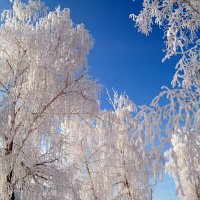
x,y
56,142
180,21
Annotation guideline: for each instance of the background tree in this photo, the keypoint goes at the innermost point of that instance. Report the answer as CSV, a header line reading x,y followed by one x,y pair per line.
x,y
109,154
184,166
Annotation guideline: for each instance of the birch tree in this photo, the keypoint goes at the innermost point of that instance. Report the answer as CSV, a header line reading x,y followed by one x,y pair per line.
x,y
43,77
184,166
109,154
179,112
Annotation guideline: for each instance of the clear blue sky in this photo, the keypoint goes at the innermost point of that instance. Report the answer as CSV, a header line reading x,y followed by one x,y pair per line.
x,y
122,58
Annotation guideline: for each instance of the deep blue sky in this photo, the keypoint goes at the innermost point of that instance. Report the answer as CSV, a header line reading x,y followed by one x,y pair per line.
x,y
122,58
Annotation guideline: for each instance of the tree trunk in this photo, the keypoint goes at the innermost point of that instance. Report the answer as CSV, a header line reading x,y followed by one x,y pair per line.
x,y
8,193
8,190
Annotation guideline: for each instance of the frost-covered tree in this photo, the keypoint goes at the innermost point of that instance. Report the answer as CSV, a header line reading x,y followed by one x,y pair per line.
x,y
109,154
180,20
179,112
185,165
55,143
180,117
43,78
